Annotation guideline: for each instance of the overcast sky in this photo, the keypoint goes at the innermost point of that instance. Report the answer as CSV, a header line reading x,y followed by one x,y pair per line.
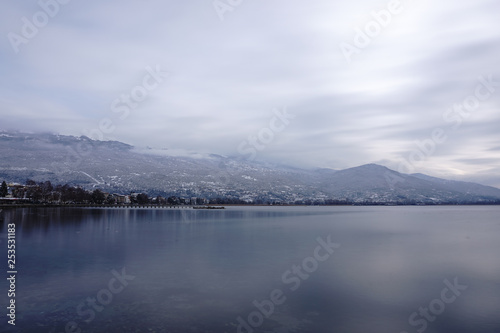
x,y
355,90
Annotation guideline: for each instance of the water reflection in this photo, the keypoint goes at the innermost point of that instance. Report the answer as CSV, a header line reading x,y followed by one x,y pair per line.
x,y
199,270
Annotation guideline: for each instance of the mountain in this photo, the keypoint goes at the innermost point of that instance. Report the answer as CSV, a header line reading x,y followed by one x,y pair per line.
x,y
460,186
380,184
121,168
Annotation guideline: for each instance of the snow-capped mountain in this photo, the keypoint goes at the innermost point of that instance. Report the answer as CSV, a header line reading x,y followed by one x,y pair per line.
x,y
118,167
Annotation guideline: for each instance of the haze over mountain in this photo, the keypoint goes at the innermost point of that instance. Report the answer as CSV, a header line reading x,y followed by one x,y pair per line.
x,y
118,167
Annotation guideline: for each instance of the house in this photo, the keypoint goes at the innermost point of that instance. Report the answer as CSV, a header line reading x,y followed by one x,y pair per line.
x,y
17,190
121,199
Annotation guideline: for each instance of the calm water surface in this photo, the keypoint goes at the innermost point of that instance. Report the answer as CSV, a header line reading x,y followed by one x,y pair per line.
x,y
256,269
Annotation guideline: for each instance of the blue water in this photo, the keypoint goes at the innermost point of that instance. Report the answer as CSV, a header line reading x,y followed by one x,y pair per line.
x,y
256,269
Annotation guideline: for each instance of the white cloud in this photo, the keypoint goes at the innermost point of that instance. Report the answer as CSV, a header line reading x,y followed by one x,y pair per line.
x,y
228,76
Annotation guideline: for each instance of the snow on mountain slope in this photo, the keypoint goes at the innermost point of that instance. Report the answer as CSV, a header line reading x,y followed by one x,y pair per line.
x,y
118,167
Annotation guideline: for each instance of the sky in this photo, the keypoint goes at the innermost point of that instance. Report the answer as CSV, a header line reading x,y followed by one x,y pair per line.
x,y
412,85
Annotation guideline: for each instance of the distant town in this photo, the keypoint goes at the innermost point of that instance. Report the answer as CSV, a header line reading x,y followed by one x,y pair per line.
x,y
45,193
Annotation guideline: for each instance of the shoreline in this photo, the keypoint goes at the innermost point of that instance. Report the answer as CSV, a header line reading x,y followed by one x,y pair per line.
x,y
215,206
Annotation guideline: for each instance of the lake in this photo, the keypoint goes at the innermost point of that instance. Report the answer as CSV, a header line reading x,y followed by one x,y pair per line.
x,y
256,269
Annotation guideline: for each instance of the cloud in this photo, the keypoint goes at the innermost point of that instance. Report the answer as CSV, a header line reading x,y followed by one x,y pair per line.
x,y
227,77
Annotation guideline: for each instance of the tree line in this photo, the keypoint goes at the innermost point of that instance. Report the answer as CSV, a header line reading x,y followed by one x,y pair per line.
x,y
46,192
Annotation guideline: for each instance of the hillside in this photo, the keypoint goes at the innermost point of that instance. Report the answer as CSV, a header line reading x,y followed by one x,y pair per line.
x,y
118,167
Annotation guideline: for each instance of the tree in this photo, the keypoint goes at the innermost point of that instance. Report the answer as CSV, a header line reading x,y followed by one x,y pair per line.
x,y
30,182
161,200
34,193
81,196
4,191
47,189
173,200
110,200
98,197
142,199
66,192
55,196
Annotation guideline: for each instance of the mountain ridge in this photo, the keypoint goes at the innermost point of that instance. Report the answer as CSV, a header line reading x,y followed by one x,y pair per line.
x,y
118,167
